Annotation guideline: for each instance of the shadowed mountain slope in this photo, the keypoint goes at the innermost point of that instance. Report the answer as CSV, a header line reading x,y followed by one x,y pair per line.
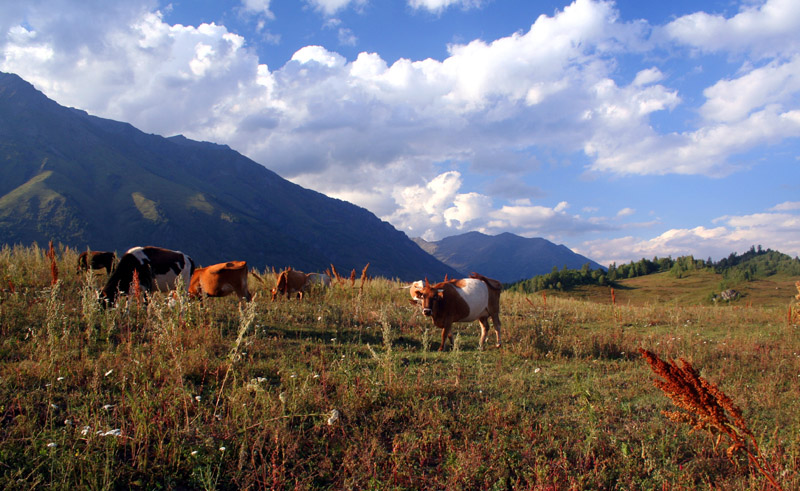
x,y
85,181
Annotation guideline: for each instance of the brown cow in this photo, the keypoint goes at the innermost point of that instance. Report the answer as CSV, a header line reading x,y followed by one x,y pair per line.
x,y
293,281
464,300
220,280
96,260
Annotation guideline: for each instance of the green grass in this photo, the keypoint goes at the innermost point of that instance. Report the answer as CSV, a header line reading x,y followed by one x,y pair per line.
x,y
694,288
148,396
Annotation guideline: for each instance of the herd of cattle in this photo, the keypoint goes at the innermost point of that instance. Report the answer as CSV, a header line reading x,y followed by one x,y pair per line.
x,y
158,269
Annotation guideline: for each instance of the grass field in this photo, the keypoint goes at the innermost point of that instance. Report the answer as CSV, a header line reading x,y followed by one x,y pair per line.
x,y
347,391
694,288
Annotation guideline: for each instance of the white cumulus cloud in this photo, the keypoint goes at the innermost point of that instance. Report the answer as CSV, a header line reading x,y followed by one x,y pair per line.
x,y
776,229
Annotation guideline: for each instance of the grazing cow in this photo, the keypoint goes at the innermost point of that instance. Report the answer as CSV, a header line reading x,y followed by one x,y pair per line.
x,y
464,300
96,260
157,268
293,281
220,280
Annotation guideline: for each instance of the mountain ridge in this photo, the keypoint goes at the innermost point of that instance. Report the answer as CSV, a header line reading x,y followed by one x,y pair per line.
x,y
506,256
87,181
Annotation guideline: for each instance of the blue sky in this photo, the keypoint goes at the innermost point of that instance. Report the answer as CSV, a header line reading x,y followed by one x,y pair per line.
x,y
621,129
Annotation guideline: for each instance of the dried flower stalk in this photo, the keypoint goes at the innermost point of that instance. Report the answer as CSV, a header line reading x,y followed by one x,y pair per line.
x,y
363,278
51,254
705,407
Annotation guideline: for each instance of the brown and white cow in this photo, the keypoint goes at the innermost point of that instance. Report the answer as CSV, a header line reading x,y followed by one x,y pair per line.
x,y
96,260
293,281
464,300
157,268
220,280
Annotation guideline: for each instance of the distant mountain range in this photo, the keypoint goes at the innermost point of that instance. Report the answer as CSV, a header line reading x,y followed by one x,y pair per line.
x,y
506,257
85,181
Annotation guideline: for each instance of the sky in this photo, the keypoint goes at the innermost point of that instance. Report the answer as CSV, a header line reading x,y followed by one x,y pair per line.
x,y
623,130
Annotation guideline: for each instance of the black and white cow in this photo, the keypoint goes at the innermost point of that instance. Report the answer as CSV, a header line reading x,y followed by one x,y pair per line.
x,y
158,269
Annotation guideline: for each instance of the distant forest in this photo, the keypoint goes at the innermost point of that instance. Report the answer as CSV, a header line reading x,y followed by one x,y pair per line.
x,y
754,264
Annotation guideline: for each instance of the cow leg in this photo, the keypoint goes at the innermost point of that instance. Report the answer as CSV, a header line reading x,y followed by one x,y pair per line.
x,y
496,324
484,321
445,336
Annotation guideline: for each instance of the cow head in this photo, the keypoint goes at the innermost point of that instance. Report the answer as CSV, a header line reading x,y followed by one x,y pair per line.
x,y
429,298
280,285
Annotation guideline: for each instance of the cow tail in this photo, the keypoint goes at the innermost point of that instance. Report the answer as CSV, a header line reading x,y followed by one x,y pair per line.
x,y
491,283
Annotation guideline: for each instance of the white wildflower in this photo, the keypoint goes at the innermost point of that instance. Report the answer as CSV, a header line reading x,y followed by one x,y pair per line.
x,y
107,406
52,444
282,397
114,432
85,430
197,398
221,449
108,372
334,417
194,452
60,379
537,370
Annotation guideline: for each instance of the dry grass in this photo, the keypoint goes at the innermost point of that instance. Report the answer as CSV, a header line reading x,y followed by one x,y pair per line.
x,y
345,390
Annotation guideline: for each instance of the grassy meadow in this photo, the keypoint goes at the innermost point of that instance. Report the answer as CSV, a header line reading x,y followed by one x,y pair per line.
x,y
345,390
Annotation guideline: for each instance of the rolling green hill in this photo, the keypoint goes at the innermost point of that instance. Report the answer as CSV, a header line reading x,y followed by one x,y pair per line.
x,y
760,277
85,181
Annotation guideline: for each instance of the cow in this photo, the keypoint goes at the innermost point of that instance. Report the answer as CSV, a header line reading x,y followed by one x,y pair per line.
x,y
96,260
461,300
293,281
414,290
220,280
318,279
157,268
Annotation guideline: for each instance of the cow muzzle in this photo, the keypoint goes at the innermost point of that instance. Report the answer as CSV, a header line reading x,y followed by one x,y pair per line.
x,y
427,312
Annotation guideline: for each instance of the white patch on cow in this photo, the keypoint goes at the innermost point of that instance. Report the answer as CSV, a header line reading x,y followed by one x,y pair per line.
x,y
166,282
476,294
138,253
321,279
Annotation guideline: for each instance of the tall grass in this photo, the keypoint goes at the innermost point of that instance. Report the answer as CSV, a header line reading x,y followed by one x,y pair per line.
x,y
345,390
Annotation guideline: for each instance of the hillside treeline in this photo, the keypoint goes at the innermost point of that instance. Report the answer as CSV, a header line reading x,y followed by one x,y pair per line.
x,y
754,264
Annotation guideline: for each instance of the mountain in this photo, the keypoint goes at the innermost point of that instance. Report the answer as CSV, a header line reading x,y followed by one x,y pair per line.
x,y
85,181
506,257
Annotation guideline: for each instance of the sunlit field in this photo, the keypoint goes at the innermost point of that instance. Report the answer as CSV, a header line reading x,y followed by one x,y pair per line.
x,y
346,390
